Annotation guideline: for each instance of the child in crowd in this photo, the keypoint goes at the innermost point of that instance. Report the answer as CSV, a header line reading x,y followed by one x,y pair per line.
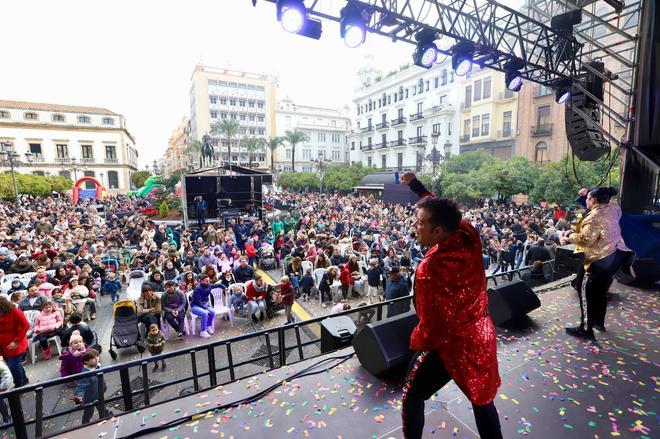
x,y
47,324
288,297
155,344
374,274
6,384
237,300
87,389
111,285
72,360
307,284
340,307
250,252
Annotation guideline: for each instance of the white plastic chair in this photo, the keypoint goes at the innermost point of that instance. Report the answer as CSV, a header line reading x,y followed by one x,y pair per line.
x,y
193,316
318,275
27,277
6,280
166,326
305,265
221,302
34,343
81,308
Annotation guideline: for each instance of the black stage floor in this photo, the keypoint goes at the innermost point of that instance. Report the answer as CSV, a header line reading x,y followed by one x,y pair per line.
x,y
553,386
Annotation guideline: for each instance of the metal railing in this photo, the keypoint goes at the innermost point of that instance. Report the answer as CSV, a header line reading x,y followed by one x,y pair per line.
x,y
201,380
382,125
417,139
368,129
398,121
416,116
542,130
398,142
464,138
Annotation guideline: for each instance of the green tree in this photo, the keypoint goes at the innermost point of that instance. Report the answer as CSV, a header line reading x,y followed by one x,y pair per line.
x,y
138,178
273,143
59,183
173,179
466,162
164,209
27,184
343,178
227,128
252,144
294,137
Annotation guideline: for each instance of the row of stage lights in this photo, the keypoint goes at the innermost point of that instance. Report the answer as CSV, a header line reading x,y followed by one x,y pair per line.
x,y
292,14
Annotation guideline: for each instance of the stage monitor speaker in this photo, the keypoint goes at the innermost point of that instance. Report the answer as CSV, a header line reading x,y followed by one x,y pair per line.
x,y
511,301
566,261
336,333
383,346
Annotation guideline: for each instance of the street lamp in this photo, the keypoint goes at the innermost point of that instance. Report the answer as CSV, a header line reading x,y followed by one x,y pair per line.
x,y
75,169
321,162
156,168
9,157
435,157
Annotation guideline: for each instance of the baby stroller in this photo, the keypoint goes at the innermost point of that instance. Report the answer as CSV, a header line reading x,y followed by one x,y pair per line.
x,y
125,331
267,258
272,306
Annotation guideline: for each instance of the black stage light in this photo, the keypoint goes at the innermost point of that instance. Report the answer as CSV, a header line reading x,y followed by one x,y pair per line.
x,y
426,52
353,24
462,58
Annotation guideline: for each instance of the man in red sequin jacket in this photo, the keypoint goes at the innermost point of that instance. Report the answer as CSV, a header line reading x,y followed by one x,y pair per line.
x,y
455,337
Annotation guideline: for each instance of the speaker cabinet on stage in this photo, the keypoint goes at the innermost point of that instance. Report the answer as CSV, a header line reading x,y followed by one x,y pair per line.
x,y
384,346
567,262
511,301
336,333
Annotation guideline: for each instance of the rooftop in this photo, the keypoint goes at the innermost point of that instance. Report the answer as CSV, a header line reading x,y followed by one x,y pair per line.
x,y
40,106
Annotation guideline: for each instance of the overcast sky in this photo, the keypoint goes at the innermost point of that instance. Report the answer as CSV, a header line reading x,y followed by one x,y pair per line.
x,y
136,57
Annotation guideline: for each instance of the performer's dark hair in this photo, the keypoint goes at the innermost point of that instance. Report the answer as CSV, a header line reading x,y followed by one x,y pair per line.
x,y
445,212
602,195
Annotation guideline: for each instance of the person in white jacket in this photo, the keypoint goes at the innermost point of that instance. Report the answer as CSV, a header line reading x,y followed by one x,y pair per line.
x,y
6,384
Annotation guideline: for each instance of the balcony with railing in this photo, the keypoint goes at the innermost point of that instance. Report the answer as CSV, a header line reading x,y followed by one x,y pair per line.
x,y
38,159
398,121
62,160
368,147
464,138
541,130
506,95
87,160
416,116
382,125
442,108
397,142
368,128
417,140
380,145
466,105
111,160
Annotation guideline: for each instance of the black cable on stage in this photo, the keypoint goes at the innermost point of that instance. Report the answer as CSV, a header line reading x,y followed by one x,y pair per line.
x,y
303,373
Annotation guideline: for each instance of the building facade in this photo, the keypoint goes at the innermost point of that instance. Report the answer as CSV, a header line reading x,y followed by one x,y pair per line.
x,y
488,114
178,155
400,118
248,98
541,128
71,141
327,131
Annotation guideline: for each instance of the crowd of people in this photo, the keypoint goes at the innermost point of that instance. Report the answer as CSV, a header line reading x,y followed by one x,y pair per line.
x,y
69,254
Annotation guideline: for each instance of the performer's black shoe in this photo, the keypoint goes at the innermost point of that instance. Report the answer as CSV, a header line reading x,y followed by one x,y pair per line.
x,y
601,328
579,331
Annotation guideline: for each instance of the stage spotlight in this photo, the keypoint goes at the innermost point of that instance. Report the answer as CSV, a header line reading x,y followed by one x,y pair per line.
x,y
353,24
563,91
291,14
513,80
462,58
512,76
426,52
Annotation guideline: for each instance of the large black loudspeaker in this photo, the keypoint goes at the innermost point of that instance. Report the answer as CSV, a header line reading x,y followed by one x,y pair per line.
x,y
336,333
584,134
511,301
566,261
383,346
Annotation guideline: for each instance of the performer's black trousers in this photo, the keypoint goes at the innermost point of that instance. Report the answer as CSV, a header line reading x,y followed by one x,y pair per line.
x,y
594,284
426,375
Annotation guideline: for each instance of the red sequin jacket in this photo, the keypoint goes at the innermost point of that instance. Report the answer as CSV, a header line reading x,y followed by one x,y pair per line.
x,y
452,304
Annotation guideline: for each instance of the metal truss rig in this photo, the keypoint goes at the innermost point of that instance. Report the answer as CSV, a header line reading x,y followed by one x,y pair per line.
x,y
500,34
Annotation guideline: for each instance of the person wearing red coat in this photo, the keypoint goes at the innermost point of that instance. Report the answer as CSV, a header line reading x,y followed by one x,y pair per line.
x,y
288,294
455,337
13,339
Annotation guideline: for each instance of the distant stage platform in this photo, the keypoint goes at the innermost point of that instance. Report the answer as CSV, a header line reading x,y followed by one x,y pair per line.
x,y
553,386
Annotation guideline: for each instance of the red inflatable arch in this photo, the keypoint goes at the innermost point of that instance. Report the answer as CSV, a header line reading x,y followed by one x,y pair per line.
x,y
76,188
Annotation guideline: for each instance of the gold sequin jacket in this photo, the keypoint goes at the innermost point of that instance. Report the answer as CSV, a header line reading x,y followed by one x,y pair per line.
x,y
598,234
